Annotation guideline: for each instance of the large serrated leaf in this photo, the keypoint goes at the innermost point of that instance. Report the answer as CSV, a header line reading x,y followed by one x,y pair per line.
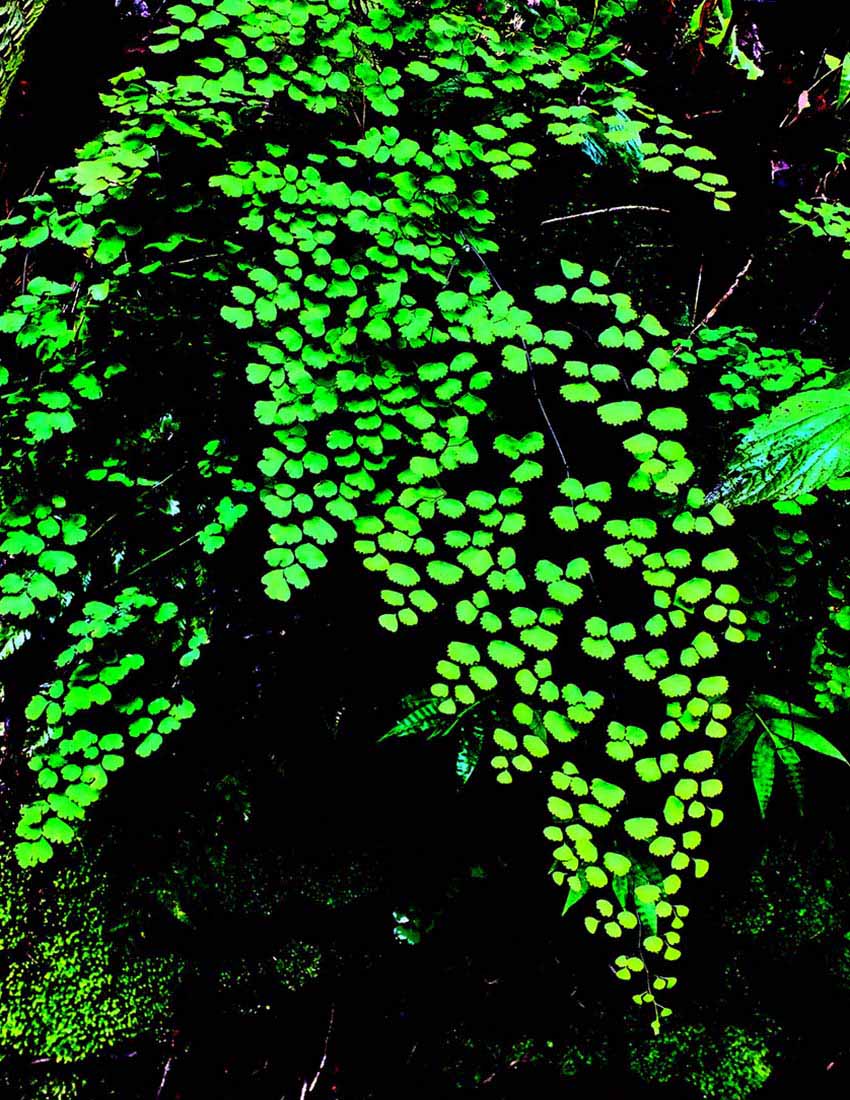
x,y
798,447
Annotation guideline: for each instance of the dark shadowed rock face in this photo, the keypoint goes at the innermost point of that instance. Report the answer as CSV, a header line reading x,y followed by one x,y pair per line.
x,y
134,7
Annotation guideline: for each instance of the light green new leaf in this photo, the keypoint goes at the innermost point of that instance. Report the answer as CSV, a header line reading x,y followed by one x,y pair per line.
x,y
551,294
607,794
58,831
641,828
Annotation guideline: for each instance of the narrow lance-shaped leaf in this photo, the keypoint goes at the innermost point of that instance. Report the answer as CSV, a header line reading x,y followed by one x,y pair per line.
x,y
763,770
734,740
422,717
469,754
645,907
781,706
791,762
575,895
790,730
844,83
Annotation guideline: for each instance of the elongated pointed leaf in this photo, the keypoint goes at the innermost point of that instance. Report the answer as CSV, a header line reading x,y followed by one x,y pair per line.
x,y
763,769
645,874
844,82
422,718
469,754
575,896
791,762
620,886
792,731
736,737
781,707
798,447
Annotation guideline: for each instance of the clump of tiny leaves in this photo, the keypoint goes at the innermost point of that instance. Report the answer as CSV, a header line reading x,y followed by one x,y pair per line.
x,y
732,1062
274,275
73,991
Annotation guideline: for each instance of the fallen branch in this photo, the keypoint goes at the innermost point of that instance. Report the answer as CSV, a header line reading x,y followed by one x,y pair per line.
x,y
696,294
165,1072
606,210
309,1086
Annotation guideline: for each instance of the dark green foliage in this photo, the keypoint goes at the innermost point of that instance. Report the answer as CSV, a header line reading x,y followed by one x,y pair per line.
x,y
291,308
734,1063
343,266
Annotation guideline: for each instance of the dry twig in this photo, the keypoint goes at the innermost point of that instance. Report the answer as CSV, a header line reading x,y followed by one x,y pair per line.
x,y
606,210
723,298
